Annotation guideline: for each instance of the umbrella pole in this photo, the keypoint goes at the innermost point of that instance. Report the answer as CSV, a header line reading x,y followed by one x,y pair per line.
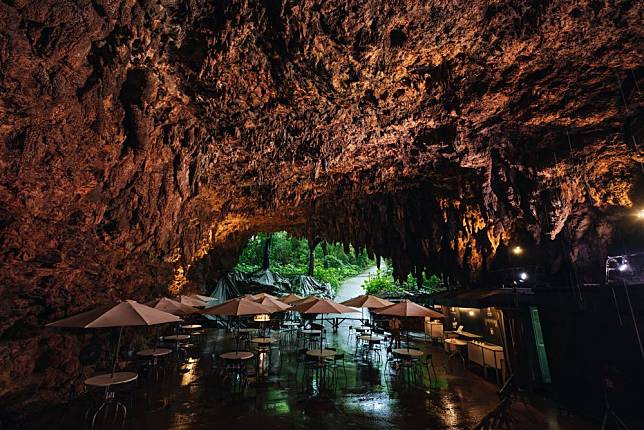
x,y
237,337
116,355
322,332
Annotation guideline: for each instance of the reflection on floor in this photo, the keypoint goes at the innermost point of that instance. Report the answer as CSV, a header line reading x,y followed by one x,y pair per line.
x,y
194,395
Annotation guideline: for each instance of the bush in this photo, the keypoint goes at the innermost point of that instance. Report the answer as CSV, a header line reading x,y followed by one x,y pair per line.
x,y
383,282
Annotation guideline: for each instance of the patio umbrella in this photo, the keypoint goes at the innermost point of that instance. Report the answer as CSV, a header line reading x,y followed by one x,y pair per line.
x,y
302,300
192,301
367,301
260,296
125,314
202,298
237,307
172,307
306,299
407,308
272,303
321,306
290,298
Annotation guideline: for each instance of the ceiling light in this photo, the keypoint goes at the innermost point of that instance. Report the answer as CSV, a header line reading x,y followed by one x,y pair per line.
x,y
640,214
523,276
623,267
517,250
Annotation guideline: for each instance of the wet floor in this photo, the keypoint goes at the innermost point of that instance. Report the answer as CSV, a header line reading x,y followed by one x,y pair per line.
x,y
279,393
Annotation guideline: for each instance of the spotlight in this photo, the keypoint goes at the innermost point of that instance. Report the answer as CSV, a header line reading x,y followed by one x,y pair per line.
x,y
523,276
640,214
471,313
623,267
517,250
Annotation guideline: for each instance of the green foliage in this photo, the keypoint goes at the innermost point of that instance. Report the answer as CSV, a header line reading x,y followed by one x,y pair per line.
x,y
383,282
335,275
290,256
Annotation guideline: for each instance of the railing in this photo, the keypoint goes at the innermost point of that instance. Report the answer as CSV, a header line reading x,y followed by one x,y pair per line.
x,y
500,416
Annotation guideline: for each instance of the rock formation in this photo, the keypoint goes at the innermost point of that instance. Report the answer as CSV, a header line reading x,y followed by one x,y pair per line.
x,y
143,142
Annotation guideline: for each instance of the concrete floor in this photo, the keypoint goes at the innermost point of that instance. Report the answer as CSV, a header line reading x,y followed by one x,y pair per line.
x,y
193,395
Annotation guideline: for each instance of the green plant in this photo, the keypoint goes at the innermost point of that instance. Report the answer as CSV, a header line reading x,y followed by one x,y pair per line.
x,y
290,255
383,282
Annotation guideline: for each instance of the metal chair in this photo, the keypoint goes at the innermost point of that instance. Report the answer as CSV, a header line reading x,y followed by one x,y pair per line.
x,y
334,364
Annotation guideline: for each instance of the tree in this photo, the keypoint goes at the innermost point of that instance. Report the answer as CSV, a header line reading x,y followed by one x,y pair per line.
x,y
267,252
312,244
325,252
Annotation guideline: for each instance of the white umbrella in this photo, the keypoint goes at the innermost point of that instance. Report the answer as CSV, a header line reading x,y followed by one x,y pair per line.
x,y
321,306
124,314
367,301
407,308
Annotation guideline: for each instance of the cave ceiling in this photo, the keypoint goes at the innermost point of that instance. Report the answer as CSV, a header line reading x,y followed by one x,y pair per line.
x,y
144,142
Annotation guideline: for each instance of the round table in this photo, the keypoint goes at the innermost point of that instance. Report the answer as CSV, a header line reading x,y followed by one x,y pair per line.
x,y
191,326
363,329
263,340
321,369
155,352
321,354
108,379
409,352
311,331
153,355
409,357
235,371
178,337
457,344
370,338
239,355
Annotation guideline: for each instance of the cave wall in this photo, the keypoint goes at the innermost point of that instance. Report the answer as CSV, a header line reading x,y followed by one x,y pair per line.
x,y
143,142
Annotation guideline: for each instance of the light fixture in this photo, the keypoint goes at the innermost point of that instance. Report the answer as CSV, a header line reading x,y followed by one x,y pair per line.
x,y
471,313
517,250
640,214
623,267
523,276
262,318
